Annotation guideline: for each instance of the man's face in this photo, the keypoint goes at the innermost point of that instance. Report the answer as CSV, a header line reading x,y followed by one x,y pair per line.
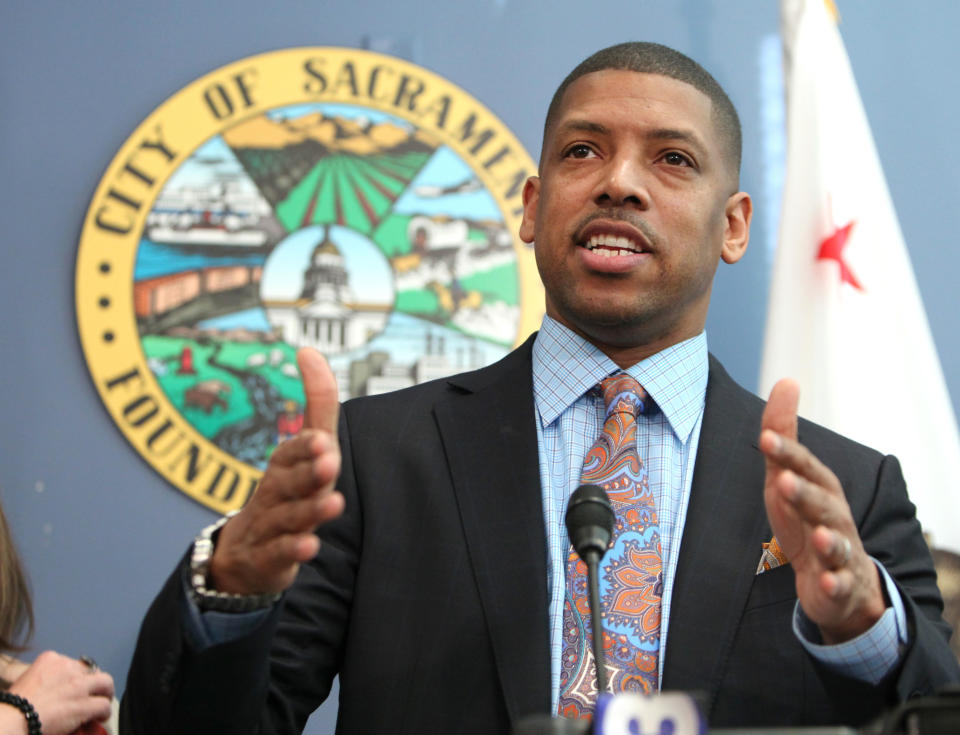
x,y
634,206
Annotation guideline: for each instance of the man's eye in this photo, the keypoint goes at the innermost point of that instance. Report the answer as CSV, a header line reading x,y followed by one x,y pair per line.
x,y
579,151
676,159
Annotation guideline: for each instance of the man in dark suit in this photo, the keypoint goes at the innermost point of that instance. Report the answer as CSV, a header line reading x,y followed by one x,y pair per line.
x,y
416,539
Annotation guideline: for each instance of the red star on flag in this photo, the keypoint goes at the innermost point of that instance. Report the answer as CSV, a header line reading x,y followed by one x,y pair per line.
x,y
832,249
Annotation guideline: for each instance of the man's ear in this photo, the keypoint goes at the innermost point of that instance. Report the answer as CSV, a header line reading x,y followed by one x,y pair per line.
x,y
739,210
531,199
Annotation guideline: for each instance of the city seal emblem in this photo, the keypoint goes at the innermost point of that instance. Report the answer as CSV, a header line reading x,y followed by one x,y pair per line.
x,y
324,197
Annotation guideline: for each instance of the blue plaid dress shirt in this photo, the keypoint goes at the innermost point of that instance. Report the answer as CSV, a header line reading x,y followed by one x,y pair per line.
x,y
569,419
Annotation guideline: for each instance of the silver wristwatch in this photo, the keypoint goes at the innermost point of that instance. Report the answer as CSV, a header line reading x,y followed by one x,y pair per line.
x,y
210,599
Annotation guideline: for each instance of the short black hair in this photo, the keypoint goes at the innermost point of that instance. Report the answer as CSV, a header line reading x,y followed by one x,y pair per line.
x,y
654,58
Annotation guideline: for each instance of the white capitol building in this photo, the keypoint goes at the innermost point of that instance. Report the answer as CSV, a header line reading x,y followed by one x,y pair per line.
x,y
327,316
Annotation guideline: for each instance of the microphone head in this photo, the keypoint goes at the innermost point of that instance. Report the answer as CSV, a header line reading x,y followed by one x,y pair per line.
x,y
589,520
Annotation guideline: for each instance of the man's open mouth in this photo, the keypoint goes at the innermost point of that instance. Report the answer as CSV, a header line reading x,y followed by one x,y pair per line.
x,y
613,245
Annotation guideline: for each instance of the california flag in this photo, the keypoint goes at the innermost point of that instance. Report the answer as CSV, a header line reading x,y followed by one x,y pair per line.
x,y
845,316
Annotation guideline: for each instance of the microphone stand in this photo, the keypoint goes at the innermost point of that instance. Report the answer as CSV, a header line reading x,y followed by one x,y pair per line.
x,y
589,520
592,557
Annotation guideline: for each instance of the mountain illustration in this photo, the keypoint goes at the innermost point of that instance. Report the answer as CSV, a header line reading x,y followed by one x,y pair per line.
x,y
320,169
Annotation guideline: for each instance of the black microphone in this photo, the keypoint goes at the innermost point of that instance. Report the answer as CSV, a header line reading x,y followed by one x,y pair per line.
x,y
589,522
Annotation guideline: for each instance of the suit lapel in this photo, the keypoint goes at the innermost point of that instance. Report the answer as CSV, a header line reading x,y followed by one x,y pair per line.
x,y
725,524
490,441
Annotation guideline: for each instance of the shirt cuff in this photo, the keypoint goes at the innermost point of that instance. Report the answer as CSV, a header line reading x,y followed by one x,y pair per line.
x,y
206,628
871,655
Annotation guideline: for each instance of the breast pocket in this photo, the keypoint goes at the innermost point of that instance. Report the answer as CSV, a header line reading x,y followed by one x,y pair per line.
x,y
772,587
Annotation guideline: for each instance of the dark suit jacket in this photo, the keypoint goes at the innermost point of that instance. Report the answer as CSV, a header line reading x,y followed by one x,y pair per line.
x,y
429,596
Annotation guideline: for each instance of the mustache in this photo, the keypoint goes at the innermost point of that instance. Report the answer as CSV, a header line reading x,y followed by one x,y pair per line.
x,y
617,214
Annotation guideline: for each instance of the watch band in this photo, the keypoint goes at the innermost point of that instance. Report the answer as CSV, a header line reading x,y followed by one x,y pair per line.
x,y
207,598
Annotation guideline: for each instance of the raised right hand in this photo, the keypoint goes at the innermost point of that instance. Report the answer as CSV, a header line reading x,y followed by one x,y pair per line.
x,y
839,589
66,693
261,548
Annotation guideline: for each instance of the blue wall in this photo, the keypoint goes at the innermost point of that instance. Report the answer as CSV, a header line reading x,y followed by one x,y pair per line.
x,y
99,529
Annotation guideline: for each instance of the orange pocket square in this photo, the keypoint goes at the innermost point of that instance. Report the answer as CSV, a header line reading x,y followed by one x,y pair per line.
x,y
772,557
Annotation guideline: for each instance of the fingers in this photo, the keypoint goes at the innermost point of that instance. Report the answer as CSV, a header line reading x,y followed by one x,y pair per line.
x,y
260,549
320,387
294,516
306,445
834,550
838,585
789,454
265,566
283,549
300,466
847,599
817,504
100,700
813,515
780,414
101,684
65,692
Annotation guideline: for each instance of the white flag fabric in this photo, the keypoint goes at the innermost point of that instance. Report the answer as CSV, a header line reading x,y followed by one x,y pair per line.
x,y
845,316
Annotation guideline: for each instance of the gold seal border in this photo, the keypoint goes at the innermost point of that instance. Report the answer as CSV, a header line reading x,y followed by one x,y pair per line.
x,y
206,107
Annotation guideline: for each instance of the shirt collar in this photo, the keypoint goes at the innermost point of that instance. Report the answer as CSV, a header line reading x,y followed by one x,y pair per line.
x,y
566,366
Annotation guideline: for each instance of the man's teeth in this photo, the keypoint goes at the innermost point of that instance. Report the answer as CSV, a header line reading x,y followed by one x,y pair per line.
x,y
612,246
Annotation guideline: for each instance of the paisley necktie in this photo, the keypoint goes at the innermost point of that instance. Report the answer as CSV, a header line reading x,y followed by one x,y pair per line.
x,y
631,573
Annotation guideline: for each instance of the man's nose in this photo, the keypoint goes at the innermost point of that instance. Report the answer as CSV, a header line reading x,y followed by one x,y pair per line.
x,y
624,183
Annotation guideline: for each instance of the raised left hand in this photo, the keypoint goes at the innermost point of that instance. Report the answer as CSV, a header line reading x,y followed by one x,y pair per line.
x,y
838,585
